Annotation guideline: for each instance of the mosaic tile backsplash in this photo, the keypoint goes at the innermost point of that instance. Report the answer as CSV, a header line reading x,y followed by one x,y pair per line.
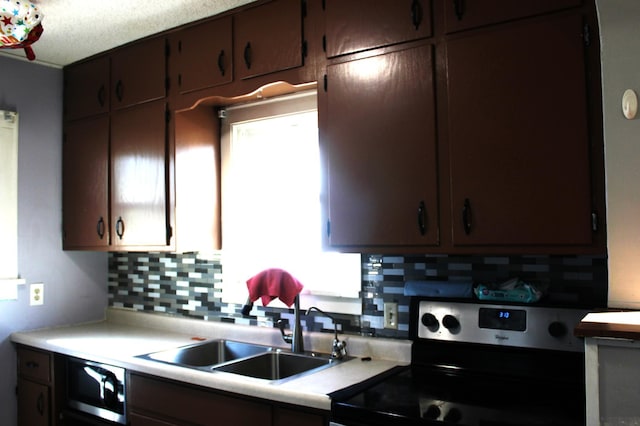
x,y
190,285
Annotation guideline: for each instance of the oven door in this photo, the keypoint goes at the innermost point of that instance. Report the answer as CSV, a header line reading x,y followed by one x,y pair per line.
x,y
96,389
76,418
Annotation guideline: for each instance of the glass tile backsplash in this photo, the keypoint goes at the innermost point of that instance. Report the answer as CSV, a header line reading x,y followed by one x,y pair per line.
x,y
190,285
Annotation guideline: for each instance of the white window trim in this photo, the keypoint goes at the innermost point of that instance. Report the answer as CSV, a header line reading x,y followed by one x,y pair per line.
x,y
9,278
235,293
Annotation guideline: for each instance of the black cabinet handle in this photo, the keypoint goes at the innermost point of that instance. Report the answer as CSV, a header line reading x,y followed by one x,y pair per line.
x,y
247,55
119,90
459,8
120,227
101,95
422,218
100,228
467,218
221,62
416,13
40,404
32,364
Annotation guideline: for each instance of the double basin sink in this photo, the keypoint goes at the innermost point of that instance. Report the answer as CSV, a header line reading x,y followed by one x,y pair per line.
x,y
246,359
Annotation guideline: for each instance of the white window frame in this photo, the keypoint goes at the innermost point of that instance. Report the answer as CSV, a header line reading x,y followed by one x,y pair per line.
x,y
9,278
330,298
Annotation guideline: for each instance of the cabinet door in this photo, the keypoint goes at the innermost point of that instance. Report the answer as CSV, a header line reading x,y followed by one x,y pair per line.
x,y
203,55
380,141
33,403
285,417
357,25
465,14
85,177
86,89
138,73
138,181
183,404
518,135
268,38
197,165
140,420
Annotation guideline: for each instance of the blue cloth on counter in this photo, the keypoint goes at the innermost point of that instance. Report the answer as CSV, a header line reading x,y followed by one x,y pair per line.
x,y
443,289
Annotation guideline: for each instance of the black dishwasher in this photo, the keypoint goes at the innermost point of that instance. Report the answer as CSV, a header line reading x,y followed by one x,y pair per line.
x,y
95,394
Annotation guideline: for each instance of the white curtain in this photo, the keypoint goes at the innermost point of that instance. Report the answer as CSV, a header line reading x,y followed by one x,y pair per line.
x,y
8,203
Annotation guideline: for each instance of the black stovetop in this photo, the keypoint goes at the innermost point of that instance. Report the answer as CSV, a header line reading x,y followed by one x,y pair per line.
x,y
410,397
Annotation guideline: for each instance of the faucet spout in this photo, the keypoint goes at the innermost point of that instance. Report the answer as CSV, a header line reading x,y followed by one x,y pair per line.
x,y
297,343
295,338
338,347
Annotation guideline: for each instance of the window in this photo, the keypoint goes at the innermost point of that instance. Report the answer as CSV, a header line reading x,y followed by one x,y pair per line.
x,y
271,204
9,205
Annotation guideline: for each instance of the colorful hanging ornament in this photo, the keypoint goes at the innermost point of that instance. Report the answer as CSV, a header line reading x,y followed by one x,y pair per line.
x,y
20,25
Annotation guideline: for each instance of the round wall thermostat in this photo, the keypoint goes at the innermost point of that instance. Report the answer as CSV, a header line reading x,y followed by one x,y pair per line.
x,y
629,104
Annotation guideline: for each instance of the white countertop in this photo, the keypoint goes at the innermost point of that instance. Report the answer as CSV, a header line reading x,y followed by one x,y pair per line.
x,y
126,334
623,317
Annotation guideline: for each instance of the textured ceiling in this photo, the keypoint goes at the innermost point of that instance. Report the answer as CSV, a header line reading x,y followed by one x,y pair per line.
x,y
77,29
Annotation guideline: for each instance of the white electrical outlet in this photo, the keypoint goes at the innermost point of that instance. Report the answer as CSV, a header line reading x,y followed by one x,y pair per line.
x,y
36,294
391,315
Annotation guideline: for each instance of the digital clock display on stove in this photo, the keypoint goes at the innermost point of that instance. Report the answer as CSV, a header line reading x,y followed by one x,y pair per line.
x,y
502,319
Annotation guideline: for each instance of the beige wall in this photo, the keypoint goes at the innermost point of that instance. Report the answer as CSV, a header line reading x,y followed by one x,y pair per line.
x,y
620,37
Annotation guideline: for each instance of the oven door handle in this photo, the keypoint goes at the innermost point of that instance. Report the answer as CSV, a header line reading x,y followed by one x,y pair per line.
x,y
109,390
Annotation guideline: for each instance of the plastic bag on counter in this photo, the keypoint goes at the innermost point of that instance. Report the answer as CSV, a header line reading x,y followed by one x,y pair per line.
x,y
513,290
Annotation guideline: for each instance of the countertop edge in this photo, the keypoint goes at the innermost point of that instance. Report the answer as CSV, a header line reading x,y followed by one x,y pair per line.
x,y
125,334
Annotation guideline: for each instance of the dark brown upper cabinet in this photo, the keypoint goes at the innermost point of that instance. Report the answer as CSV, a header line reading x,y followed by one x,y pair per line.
x,y
357,25
378,133
138,73
202,56
139,170
519,135
268,38
86,89
85,179
466,14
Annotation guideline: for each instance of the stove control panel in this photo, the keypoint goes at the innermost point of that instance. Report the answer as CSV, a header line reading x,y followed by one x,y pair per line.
x,y
520,326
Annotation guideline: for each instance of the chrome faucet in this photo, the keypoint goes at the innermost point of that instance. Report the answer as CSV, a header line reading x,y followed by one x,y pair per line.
x,y
338,347
295,338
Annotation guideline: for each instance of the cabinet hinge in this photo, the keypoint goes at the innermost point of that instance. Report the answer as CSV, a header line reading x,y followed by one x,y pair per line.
x,y
328,228
304,9
325,83
586,35
594,221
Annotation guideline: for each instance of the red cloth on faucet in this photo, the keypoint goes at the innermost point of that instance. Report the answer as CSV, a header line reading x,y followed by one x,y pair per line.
x,y
272,283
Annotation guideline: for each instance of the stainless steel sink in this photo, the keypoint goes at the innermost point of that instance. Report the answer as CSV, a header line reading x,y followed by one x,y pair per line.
x,y
277,365
207,354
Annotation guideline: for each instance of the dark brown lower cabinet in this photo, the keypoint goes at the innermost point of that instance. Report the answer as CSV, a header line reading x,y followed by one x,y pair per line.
x,y
35,381
157,402
33,403
140,420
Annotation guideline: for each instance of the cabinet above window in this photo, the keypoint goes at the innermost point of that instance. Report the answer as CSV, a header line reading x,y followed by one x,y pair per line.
x,y
357,25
